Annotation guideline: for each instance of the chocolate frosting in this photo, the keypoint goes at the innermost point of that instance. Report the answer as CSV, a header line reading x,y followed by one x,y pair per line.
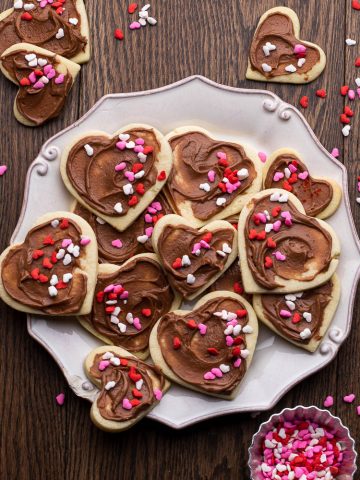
x,y
278,30
147,288
176,241
191,359
306,245
315,195
313,301
42,29
106,234
27,281
110,402
196,155
95,178
37,105
231,280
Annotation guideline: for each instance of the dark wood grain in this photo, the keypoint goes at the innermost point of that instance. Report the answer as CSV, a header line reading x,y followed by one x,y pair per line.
x,y
39,440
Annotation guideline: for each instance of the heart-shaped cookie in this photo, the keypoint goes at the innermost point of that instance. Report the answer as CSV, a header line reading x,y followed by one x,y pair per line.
x,y
53,272
285,250
115,247
301,318
44,80
129,388
117,177
62,29
194,258
210,178
128,301
210,348
278,55
285,169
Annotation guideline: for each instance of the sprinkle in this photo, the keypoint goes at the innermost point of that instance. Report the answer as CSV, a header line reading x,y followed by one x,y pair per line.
x,y
126,404
52,291
267,48
329,401
335,152
161,176
185,261
60,399
26,16
349,398
290,68
358,410
134,26
67,260
158,394
306,333
118,34
351,94
346,130
128,189
190,279
89,150
304,101
142,239
85,240
243,173
118,208
220,201
247,329
18,4
299,49
307,316
205,187
321,93
202,328
350,42
132,7
3,169
60,34
211,176
285,313
262,156
266,68
151,21
301,62
117,243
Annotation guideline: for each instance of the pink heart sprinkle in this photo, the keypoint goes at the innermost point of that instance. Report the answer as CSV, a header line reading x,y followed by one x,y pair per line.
x,y
211,176
39,85
118,288
117,243
351,94
66,242
134,26
221,155
276,226
262,217
85,241
358,407
60,399
285,314
121,166
51,74
358,92
292,168
262,156
130,176
303,175
126,404
202,328
204,244
279,256
209,376
139,141
137,323
148,218
217,372
32,77
60,79
103,365
124,295
232,322
157,206
196,247
278,176
349,398
149,231
329,401
158,394
151,210
47,68
138,149
335,152
121,145
3,169
229,341
237,363
109,288
299,49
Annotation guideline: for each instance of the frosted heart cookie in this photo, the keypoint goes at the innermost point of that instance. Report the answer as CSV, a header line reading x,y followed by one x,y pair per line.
x,y
129,388
128,301
115,247
210,348
44,80
53,272
285,169
231,281
194,258
117,177
210,178
61,27
301,318
278,55
284,249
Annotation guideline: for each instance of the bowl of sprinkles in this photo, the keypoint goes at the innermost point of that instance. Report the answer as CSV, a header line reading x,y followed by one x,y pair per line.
x,y
302,443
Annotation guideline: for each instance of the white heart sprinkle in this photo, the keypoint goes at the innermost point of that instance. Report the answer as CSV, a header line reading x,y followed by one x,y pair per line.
x,y
266,68
118,208
42,62
269,444
350,42
142,157
346,130
226,248
76,251
44,80
139,384
130,145
139,174
283,198
142,239
143,14
54,280
144,8
290,297
287,172
100,220
190,279
290,304
244,353
205,187
299,294
73,21
220,202
122,327
115,361
30,56
89,150
268,227
247,329
237,330
274,197
229,330
55,223
107,356
222,254
306,333
124,137
290,68
185,261
357,81
307,316
130,318
243,173
224,368
128,189
60,254
28,7
142,22
52,291
67,277
110,385
33,63
60,34
114,320
301,62
151,21
116,311
67,260
18,4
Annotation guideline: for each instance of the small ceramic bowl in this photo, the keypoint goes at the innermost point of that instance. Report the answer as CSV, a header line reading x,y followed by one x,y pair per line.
x,y
323,418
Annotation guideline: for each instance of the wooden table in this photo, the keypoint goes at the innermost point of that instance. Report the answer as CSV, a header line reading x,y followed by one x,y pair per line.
x,y
40,440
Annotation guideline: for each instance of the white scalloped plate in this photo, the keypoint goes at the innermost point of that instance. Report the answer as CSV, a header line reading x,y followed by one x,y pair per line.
x,y
256,117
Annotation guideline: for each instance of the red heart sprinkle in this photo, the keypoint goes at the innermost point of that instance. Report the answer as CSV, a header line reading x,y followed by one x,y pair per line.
x,y
61,285
268,262
357,62
140,189
135,402
348,111
124,362
48,240
207,237
213,351
135,377
191,324
241,313
293,178
37,254
155,218
355,4
176,343
132,7
270,243
238,341
35,273
43,278
252,234
136,393
26,16
146,312
223,162
112,296
177,264
321,93
100,297
344,119
261,235
60,10
118,34
304,101
133,201
137,167
161,176
109,309
236,351
286,186
275,211
160,216
25,82
38,73
344,90
47,264
296,318
238,288
148,150
53,258
64,224
222,186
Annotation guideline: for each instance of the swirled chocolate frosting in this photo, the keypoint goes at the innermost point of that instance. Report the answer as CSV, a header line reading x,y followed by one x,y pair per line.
x,y
128,302
298,317
202,350
274,44
44,273
44,92
231,280
200,166
111,174
288,172
296,247
117,247
57,29
129,386
191,258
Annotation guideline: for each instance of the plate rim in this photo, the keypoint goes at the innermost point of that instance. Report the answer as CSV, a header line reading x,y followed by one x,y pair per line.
x,y
277,104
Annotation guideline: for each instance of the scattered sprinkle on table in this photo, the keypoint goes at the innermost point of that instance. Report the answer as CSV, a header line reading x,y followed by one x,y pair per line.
x,y
60,399
3,169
